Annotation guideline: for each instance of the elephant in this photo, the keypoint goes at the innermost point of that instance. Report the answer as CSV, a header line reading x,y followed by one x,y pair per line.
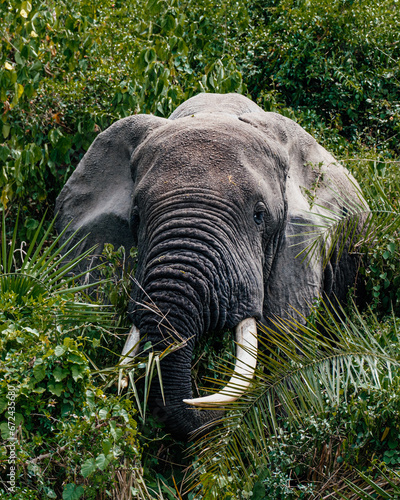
x,y
217,199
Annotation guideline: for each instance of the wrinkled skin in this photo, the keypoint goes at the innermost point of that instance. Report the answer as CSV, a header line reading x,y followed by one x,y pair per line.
x,y
211,197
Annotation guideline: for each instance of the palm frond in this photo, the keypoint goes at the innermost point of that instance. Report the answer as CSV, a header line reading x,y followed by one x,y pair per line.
x,y
43,270
300,373
354,227
383,486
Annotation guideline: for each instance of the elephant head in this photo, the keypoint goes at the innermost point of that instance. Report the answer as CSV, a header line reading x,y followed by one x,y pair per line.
x,y
213,198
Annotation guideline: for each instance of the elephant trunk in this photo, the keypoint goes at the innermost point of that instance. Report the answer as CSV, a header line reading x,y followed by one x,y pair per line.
x,y
178,304
191,284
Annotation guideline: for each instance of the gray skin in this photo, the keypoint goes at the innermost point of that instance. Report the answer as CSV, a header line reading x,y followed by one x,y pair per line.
x,y
212,197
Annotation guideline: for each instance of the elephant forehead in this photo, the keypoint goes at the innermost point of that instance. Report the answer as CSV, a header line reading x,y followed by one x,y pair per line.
x,y
221,153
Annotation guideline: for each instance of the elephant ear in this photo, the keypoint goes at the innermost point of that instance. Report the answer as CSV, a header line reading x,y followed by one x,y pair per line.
x,y
96,200
316,187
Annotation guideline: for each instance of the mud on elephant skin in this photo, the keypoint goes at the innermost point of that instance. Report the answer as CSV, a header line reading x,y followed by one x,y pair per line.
x,y
212,197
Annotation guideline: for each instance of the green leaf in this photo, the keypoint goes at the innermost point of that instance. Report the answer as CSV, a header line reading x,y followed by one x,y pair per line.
x,y
56,389
168,23
150,55
29,90
39,370
31,330
106,445
103,414
3,404
6,130
4,153
183,49
88,467
18,59
77,371
59,350
154,6
102,461
39,390
60,373
50,493
72,492
258,491
115,431
4,431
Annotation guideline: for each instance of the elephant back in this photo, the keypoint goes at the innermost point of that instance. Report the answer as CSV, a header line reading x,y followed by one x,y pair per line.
x,y
232,104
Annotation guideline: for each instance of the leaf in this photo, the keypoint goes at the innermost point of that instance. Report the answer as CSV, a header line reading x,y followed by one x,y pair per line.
x,y
182,47
18,59
154,6
150,56
8,66
88,467
3,404
168,23
106,445
77,371
6,130
27,6
103,414
102,461
4,153
31,330
72,492
39,370
60,373
258,491
56,389
59,350
4,431
115,431
392,247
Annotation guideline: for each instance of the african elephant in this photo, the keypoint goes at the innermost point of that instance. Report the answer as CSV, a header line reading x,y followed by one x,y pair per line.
x,y
214,198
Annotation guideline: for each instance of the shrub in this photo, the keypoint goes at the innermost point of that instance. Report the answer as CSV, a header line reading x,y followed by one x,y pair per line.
x,y
60,433
334,59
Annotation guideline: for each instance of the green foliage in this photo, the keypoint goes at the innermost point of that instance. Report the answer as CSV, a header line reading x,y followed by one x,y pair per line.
x,y
69,69
370,230
117,271
69,435
380,181
334,62
319,410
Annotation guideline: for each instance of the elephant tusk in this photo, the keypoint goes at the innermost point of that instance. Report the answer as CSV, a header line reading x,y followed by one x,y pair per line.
x,y
246,360
131,346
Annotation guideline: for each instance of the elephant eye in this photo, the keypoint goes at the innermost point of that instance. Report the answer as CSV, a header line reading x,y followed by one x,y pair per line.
x,y
259,217
259,213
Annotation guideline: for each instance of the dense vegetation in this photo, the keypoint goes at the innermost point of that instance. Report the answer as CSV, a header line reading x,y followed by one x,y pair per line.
x,y
68,69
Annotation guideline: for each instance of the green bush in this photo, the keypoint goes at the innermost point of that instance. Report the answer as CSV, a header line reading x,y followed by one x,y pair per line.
x,y
320,412
336,59
69,69
62,433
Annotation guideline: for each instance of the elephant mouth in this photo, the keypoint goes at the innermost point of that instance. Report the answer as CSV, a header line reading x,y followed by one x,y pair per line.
x,y
245,365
